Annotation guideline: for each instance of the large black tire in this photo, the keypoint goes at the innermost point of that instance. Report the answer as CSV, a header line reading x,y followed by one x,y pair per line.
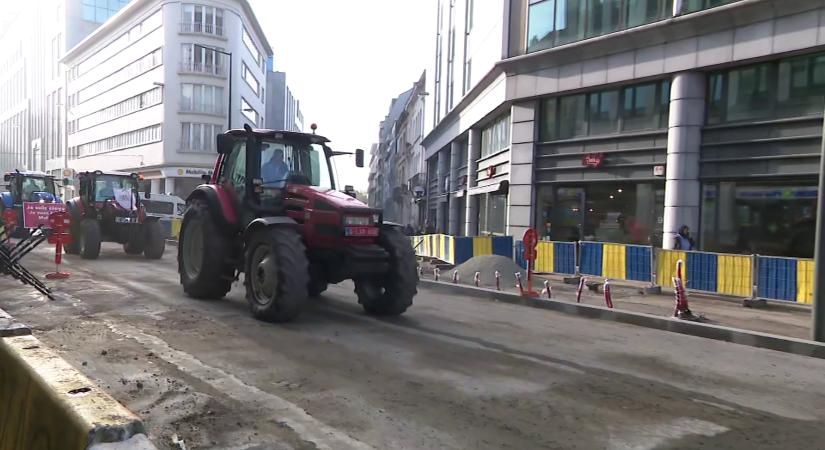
x,y
89,239
276,274
135,246
154,239
393,293
73,248
316,288
204,255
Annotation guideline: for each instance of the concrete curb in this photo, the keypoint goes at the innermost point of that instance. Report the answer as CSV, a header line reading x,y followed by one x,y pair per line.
x,y
10,327
717,332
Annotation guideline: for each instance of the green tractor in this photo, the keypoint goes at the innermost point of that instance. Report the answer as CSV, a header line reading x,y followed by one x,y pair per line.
x,y
271,211
109,209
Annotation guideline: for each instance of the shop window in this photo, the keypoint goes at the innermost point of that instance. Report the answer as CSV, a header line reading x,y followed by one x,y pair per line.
x,y
572,120
767,218
492,214
749,92
603,112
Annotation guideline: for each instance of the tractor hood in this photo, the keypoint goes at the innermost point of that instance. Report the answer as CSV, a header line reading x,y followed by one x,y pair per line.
x,y
338,199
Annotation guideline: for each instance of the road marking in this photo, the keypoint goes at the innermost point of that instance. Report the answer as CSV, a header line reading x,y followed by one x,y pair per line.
x,y
293,416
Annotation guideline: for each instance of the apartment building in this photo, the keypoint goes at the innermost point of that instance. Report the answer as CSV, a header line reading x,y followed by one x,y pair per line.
x,y
32,83
283,110
622,121
150,89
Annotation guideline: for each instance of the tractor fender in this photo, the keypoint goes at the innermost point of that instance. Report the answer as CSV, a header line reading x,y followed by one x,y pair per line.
x,y
271,221
8,202
221,207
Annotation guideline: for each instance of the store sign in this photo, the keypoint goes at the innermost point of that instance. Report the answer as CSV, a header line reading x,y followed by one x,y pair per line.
x,y
491,171
186,172
658,171
593,160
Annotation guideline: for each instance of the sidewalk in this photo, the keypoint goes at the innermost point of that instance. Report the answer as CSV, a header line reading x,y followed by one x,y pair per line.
x,y
783,320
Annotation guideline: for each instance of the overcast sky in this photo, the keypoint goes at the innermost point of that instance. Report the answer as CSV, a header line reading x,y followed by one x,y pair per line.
x,y
346,60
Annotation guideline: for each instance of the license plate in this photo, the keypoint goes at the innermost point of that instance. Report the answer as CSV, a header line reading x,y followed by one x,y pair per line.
x,y
124,220
361,231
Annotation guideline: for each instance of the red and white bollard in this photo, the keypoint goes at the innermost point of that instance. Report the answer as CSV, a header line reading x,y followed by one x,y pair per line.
x,y
477,279
455,276
579,290
420,272
436,273
498,280
608,298
548,290
518,283
679,265
60,223
682,310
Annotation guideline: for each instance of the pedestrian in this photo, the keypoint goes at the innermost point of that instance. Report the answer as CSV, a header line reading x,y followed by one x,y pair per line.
x,y
683,239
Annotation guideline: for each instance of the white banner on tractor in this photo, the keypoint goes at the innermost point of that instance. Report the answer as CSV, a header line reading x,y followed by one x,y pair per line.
x,y
125,198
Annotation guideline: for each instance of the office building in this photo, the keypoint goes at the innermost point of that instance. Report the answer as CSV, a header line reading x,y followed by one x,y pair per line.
x,y
283,110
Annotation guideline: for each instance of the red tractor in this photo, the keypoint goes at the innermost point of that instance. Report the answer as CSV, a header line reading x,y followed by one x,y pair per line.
x,y
109,209
271,211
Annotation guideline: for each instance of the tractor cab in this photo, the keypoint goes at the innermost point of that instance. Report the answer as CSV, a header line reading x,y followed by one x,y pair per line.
x,y
111,193
29,186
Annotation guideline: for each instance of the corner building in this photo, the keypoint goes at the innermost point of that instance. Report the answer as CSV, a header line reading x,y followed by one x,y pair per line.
x,y
620,121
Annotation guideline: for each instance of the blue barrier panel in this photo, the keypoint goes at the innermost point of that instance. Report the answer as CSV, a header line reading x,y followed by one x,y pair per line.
x,y
518,247
702,271
638,262
463,249
777,278
591,258
503,245
564,258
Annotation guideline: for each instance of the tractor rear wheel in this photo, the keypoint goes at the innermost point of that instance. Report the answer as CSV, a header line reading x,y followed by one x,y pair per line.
x,y
134,246
203,255
393,293
73,248
276,274
154,239
89,239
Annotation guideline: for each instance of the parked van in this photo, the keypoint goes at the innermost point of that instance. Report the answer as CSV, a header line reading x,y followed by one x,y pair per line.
x,y
169,208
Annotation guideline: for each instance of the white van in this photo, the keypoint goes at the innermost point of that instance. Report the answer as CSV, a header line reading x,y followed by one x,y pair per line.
x,y
169,208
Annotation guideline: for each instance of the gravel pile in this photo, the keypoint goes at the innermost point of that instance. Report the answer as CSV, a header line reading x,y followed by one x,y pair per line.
x,y
487,265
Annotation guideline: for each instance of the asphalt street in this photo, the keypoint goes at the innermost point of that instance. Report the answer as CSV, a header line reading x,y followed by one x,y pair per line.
x,y
453,373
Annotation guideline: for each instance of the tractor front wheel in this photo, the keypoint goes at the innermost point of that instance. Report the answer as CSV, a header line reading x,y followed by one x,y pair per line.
x,y
204,255
393,293
89,239
276,274
154,239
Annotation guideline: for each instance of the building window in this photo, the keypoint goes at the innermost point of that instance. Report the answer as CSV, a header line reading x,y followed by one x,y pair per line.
x,y
468,78
496,137
201,19
492,214
199,137
125,140
249,112
250,45
120,109
250,79
789,87
552,23
202,98
763,217
99,11
451,59
690,6
200,59
132,70
632,108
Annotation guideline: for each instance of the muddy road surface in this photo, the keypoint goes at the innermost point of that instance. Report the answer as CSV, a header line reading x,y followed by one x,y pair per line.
x,y
453,373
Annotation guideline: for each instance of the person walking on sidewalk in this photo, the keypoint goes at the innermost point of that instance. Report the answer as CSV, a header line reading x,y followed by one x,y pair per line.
x,y
683,239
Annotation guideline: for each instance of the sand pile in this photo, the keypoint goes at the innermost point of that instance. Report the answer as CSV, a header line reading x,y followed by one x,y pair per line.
x,y
487,266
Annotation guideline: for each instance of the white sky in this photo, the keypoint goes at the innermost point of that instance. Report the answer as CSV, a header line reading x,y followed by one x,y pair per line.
x,y
346,60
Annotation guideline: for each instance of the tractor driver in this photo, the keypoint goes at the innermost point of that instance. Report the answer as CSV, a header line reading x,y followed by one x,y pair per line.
x,y
274,172
29,188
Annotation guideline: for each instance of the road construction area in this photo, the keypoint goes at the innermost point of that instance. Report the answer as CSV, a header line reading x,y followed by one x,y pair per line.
x,y
454,372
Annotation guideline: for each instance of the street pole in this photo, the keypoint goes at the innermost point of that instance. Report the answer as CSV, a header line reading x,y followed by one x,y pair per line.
x,y
818,311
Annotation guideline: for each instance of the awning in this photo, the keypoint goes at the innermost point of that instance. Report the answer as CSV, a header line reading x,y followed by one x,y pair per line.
x,y
502,187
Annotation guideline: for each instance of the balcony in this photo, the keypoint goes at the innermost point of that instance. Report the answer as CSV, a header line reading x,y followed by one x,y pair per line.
x,y
212,110
201,28
215,70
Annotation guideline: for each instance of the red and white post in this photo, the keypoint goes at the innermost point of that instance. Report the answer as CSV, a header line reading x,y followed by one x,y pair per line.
x,y
59,222
477,279
579,290
608,298
498,280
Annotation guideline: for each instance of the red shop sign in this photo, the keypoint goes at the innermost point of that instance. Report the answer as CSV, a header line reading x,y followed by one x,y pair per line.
x,y
593,160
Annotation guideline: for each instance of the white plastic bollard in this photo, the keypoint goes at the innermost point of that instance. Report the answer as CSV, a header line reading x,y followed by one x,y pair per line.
x,y
455,276
477,279
498,280
548,290
518,283
436,273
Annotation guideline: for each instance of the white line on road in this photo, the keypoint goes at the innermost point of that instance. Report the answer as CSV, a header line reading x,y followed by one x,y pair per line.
x,y
293,416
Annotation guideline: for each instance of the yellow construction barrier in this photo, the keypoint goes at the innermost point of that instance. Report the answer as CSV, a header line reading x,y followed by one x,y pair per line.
x,y
46,404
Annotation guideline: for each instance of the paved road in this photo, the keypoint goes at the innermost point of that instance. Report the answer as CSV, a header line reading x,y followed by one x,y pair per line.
x,y
453,373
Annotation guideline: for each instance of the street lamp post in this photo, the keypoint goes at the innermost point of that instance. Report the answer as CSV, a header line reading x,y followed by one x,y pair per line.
x,y
818,312
229,102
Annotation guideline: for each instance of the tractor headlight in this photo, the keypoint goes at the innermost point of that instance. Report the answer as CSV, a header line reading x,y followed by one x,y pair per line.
x,y
357,220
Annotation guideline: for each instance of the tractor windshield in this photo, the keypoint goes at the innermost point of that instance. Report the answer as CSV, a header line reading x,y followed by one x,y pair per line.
x,y
30,185
106,186
296,163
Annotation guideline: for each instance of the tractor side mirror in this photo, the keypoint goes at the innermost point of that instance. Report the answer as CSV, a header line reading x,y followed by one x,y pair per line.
x,y
349,190
206,178
6,178
359,158
225,143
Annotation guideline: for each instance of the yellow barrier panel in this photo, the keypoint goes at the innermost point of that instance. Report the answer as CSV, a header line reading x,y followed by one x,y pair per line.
x,y
46,404
666,266
805,281
734,275
614,261
545,257
482,246
176,228
450,255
